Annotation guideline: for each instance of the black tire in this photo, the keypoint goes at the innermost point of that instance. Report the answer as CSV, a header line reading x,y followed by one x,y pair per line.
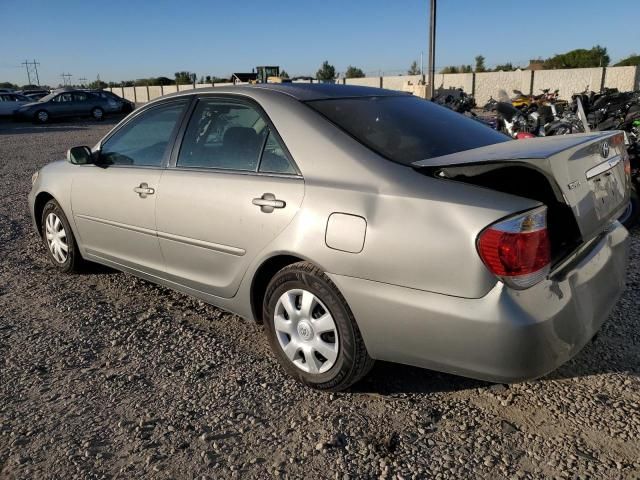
x,y
41,116
97,114
73,260
630,217
353,361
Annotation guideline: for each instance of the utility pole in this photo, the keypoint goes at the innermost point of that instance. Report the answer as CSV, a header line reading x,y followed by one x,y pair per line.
x,y
432,49
32,71
66,78
82,81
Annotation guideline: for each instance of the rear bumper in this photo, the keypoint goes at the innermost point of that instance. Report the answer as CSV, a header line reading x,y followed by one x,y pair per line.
x,y
506,336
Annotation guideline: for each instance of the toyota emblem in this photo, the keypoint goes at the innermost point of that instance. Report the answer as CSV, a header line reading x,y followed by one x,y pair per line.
x,y
604,150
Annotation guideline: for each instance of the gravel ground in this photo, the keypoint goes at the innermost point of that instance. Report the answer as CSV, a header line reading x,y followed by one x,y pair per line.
x,y
103,375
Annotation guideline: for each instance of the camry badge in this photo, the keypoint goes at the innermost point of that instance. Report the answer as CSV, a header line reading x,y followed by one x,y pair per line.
x,y
574,185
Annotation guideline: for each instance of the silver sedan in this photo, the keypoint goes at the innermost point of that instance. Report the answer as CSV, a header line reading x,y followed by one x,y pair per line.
x,y
355,224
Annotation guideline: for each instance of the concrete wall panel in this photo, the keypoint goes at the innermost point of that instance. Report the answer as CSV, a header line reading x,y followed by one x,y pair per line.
x,y
155,92
622,78
141,95
182,88
169,89
398,82
127,92
365,81
490,84
568,81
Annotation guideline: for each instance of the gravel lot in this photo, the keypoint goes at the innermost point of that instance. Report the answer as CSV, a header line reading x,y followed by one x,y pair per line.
x,y
103,375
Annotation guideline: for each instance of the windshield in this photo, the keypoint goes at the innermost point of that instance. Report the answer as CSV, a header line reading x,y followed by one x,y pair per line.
x,y
46,98
405,128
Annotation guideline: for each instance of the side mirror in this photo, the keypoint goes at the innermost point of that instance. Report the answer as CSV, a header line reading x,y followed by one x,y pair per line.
x,y
80,155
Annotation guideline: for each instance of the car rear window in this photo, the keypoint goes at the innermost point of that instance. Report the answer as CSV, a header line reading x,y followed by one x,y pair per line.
x,y
405,128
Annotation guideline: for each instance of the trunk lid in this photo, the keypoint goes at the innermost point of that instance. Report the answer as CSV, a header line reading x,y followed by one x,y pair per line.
x,y
586,171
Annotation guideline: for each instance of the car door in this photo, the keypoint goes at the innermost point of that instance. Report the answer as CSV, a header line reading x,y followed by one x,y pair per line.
x,y
114,201
61,105
230,190
6,104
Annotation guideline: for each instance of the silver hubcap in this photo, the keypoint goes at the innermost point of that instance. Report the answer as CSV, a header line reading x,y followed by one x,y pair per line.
x,y
56,238
306,331
43,116
97,113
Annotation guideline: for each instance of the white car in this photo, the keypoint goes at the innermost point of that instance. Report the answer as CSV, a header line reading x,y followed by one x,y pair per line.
x,y
10,102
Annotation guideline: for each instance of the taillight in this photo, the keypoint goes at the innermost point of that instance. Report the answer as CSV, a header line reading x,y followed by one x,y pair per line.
x,y
517,250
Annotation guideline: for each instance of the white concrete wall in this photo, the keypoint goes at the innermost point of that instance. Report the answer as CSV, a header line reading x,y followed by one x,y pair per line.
x,y
169,89
490,84
182,88
155,92
622,78
204,85
127,92
398,82
568,81
223,84
454,80
141,95
365,81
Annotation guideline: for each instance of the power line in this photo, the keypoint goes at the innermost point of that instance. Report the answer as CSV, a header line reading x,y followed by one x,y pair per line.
x,y
32,71
66,78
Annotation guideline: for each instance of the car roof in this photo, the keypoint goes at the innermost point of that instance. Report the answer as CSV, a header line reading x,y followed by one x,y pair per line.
x,y
300,91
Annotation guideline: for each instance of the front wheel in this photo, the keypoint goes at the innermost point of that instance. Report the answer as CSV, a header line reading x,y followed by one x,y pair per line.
x,y
41,116
97,114
58,238
312,330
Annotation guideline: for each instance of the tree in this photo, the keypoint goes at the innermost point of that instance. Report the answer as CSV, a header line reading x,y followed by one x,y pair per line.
x,y
507,67
450,69
414,69
8,85
326,73
163,81
630,61
480,64
98,85
353,72
284,74
184,77
579,58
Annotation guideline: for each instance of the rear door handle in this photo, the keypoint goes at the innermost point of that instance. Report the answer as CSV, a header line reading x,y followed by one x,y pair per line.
x,y
268,202
143,190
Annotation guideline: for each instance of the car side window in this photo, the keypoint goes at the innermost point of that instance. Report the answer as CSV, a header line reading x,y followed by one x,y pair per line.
x,y
80,96
274,160
223,134
144,140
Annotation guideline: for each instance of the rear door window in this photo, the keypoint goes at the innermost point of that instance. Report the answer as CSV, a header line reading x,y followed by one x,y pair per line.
x,y
405,128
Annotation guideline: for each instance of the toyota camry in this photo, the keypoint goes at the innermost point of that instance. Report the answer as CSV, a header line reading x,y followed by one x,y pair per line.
x,y
356,224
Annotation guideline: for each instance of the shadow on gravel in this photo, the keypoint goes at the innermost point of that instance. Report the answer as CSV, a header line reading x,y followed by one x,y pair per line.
x,y
9,127
389,378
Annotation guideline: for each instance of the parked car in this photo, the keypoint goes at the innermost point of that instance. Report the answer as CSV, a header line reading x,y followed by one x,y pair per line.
x,y
65,103
10,102
355,224
119,104
36,96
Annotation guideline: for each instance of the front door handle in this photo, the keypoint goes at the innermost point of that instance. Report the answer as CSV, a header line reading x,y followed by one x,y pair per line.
x,y
268,202
143,190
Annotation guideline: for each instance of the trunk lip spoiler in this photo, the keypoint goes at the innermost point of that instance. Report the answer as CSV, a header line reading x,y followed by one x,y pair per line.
x,y
534,148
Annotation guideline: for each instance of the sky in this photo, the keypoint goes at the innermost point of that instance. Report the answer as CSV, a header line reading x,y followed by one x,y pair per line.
x,y
125,40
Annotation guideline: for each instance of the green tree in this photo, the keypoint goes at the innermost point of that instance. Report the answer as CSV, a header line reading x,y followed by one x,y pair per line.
x,y
284,74
480,64
184,77
326,73
450,69
630,61
98,85
353,72
579,58
162,81
507,67
414,69
8,85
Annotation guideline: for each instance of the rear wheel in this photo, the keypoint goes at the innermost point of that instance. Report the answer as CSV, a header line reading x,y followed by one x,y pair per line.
x,y
312,330
97,113
630,216
59,240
